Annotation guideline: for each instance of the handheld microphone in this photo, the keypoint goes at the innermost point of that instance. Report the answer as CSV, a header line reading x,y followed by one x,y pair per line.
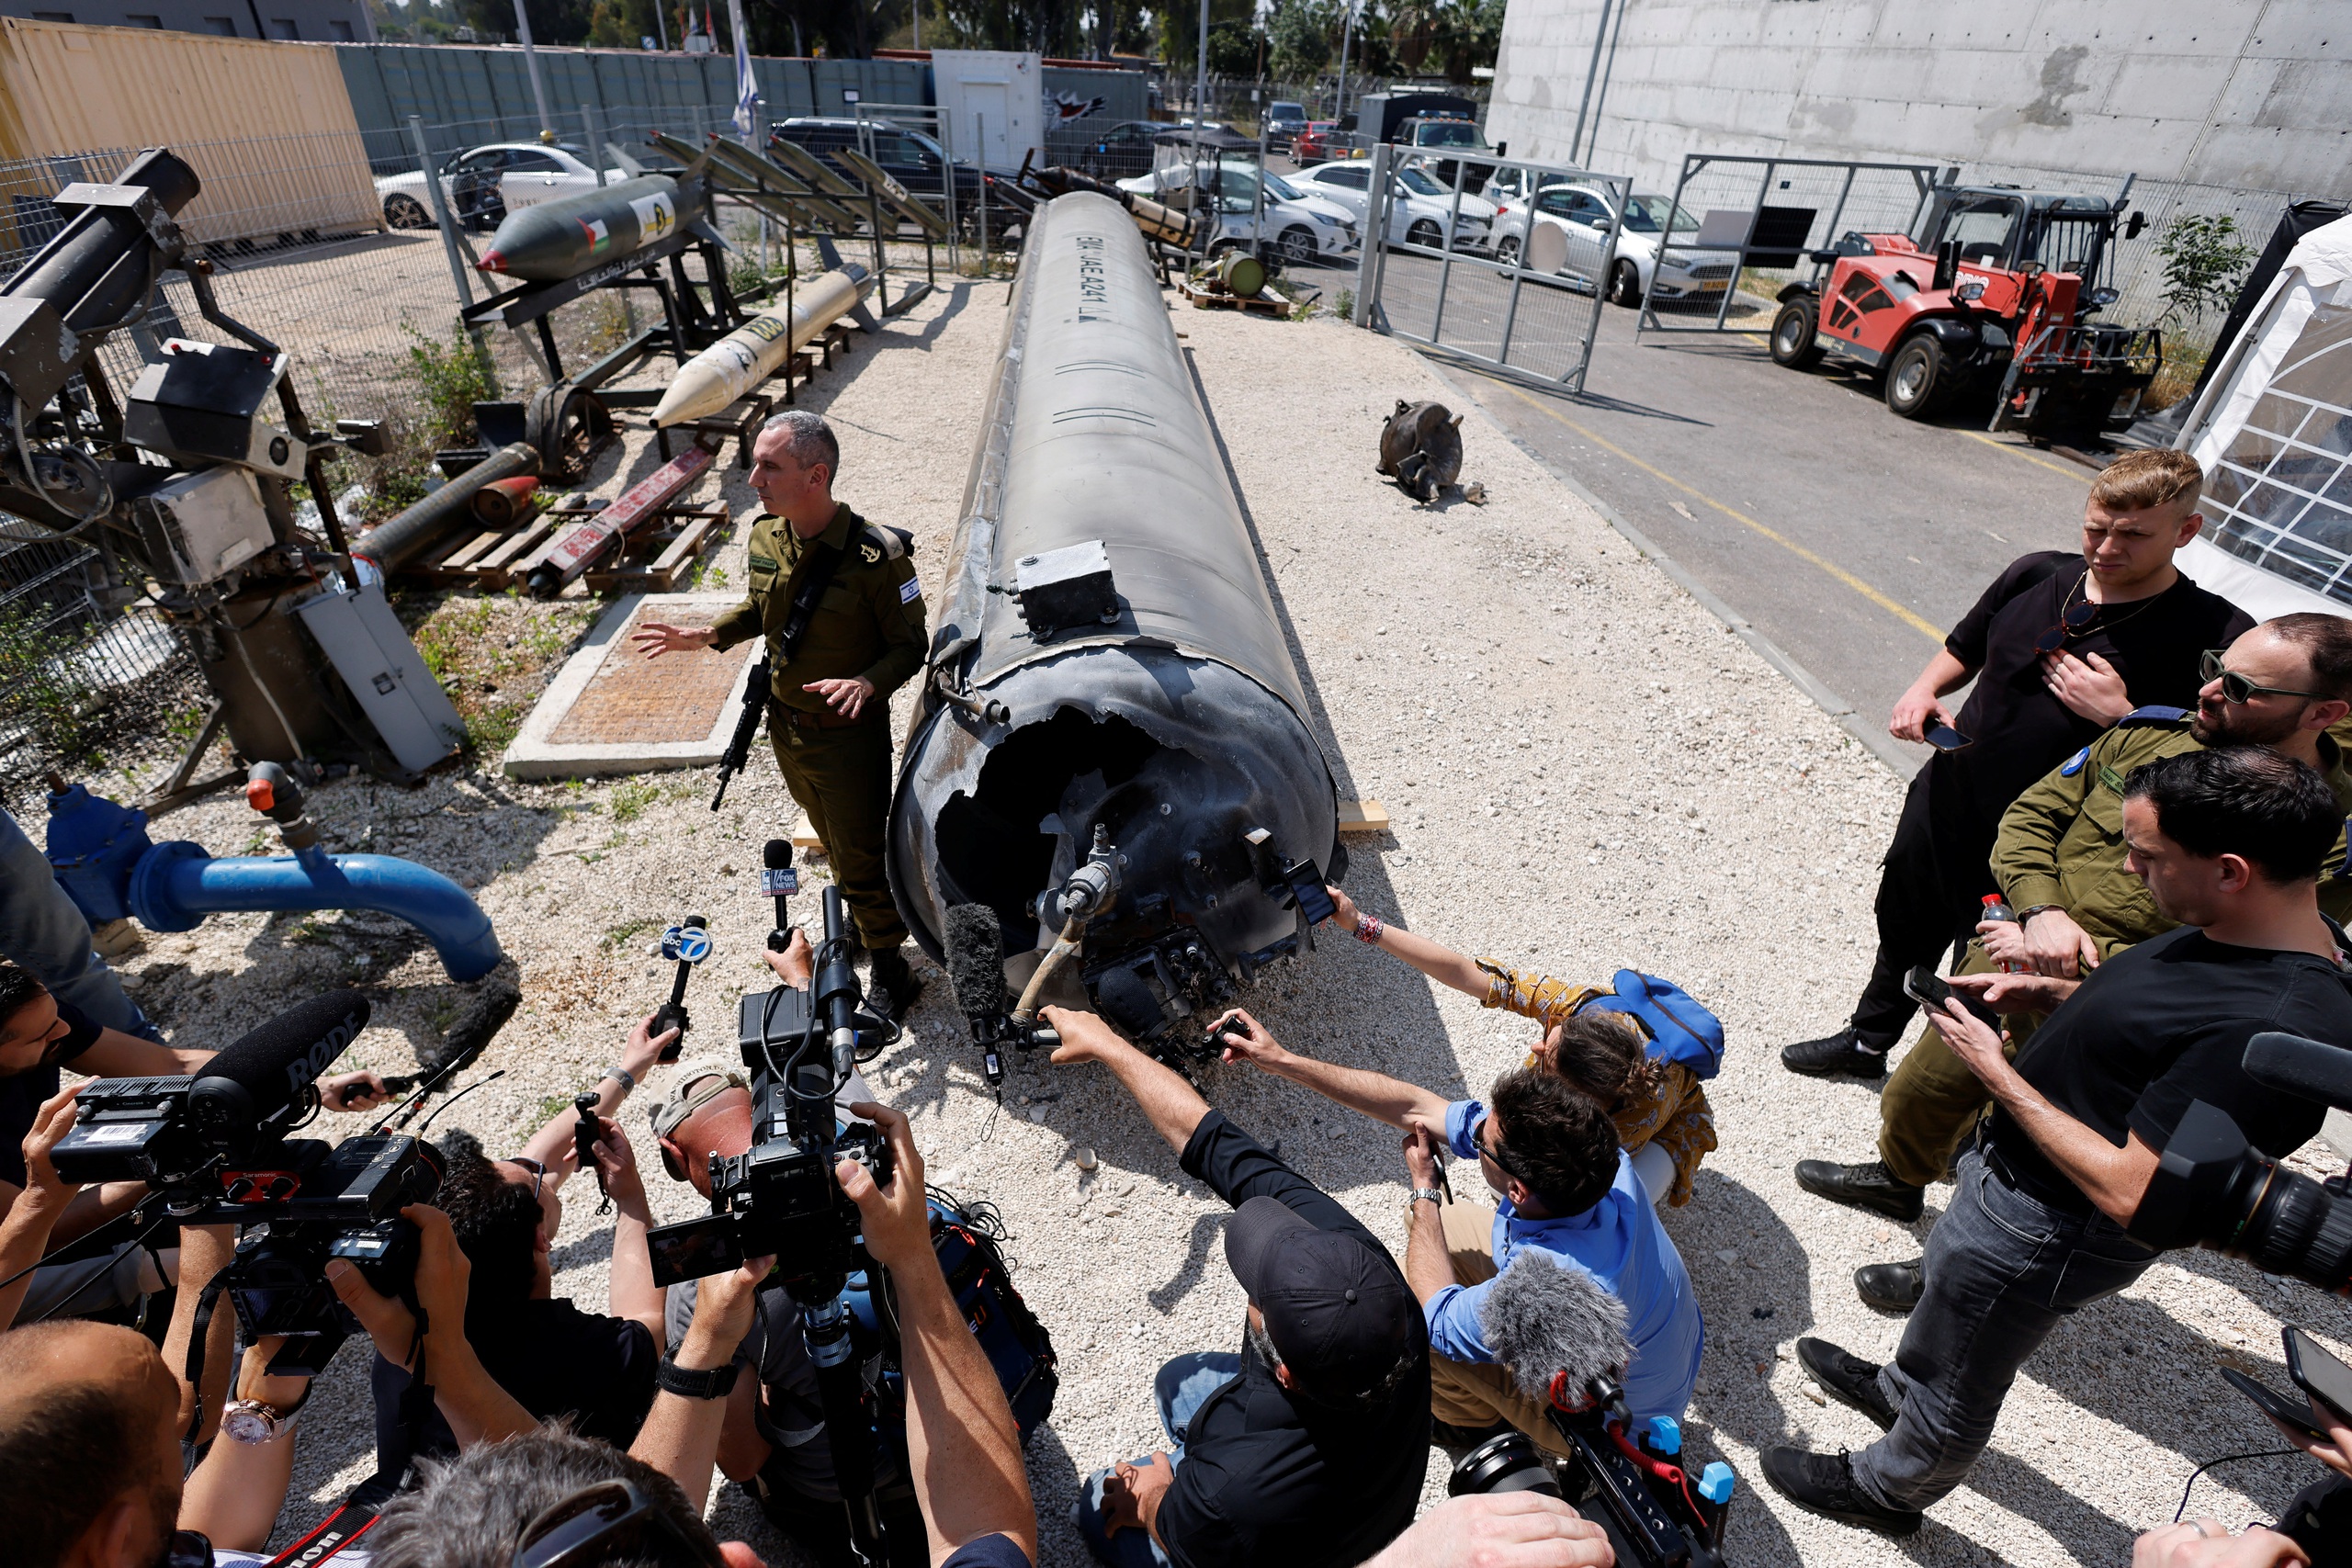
x,y
835,989
271,1068
974,942
586,1132
689,943
779,881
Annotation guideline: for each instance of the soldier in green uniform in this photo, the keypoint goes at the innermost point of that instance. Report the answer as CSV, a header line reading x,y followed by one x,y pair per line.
x,y
2060,863
837,599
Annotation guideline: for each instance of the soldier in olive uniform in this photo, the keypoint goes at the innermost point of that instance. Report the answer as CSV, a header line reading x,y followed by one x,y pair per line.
x,y
2060,861
837,599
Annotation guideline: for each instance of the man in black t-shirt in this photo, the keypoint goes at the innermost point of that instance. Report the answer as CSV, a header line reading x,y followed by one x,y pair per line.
x,y
2230,844
2060,647
1307,1449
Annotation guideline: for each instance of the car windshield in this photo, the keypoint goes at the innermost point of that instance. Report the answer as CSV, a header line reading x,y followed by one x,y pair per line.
x,y
927,144
1282,189
1419,184
1448,133
1646,215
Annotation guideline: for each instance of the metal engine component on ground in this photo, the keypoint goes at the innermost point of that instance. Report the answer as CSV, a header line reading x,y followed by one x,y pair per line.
x,y
748,355
1179,725
396,541
1420,449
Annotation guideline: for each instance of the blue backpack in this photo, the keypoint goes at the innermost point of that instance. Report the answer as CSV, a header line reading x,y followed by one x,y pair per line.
x,y
1679,1029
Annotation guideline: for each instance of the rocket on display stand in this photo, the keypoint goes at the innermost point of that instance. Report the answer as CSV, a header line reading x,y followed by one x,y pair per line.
x,y
557,240
745,357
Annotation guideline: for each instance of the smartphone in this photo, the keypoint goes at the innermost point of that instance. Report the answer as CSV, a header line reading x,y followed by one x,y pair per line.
x,y
2317,1372
1305,882
2295,1413
1944,737
1928,988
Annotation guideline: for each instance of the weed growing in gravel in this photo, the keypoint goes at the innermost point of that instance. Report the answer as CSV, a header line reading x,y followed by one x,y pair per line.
x,y
492,655
621,935
630,800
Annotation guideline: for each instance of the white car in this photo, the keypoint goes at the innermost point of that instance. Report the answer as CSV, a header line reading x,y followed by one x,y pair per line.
x,y
1419,207
482,183
1578,219
1298,225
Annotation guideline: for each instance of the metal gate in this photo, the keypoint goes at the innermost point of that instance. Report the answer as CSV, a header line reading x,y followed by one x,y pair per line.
x,y
1740,230
1518,291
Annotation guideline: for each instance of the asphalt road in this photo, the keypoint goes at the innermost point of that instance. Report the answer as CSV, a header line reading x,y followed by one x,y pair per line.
x,y
1850,538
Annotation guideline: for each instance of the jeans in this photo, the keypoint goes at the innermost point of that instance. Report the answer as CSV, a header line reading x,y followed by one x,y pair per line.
x,y
2002,1268
1183,1385
40,930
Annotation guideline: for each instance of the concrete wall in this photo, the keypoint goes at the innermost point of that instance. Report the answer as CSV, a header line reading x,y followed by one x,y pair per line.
x,y
313,21
2234,94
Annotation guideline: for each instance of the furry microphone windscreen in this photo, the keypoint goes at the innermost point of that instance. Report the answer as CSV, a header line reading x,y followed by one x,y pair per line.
x,y
1128,1003
974,942
1543,1318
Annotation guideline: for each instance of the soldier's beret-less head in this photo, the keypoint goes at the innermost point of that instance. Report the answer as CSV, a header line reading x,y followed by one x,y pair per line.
x,y
807,437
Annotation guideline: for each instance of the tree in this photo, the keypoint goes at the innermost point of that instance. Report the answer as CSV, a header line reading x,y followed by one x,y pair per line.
x,y
1298,41
2205,263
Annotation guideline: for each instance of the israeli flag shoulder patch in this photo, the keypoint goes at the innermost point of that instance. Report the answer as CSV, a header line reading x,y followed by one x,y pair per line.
x,y
910,590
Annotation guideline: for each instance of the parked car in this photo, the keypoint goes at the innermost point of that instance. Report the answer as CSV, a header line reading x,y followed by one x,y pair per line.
x,y
1312,141
1419,207
1580,213
1122,150
481,182
909,157
1296,226
1284,120
1425,131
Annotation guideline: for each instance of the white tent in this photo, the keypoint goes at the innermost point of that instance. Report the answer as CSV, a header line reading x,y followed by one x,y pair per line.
x,y
2274,434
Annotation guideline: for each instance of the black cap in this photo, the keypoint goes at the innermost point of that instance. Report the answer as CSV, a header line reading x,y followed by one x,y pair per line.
x,y
1338,1312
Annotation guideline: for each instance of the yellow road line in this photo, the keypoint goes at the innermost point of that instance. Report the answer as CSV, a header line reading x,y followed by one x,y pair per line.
x,y
2071,471
1926,628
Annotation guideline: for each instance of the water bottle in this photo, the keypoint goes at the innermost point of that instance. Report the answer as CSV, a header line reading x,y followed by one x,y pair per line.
x,y
1997,908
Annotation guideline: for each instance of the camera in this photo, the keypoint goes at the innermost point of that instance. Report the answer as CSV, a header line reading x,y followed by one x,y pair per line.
x,y
165,1130
780,1197
1655,1515
2213,1189
312,1203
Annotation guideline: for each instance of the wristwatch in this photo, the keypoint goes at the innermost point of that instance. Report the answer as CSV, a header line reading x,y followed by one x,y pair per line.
x,y
257,1420
717,1383
1431,1193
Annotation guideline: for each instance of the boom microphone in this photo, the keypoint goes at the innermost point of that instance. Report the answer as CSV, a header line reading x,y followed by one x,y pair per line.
x,y
1556,1328
268,1068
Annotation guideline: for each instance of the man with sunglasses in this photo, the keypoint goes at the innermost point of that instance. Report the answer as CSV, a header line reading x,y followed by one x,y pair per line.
x,y
2061,862
1562,1185
2061,645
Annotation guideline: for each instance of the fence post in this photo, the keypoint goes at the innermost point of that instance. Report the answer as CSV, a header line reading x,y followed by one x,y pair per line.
x,y
1374,242
980,162
448,225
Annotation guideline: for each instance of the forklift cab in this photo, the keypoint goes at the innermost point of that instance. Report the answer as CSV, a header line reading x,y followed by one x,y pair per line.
x,y
2006,229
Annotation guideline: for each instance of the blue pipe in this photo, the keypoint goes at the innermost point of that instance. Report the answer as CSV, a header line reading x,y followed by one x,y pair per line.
x,y
176,884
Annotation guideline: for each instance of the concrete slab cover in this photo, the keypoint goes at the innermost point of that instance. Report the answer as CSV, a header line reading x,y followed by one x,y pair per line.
x,y
611,711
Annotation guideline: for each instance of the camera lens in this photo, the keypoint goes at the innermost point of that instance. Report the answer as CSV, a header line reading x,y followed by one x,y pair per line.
x,y
2300,1228
1508,1463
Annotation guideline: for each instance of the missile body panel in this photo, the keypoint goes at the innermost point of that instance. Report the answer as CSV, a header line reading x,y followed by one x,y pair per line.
x,y
1104,588
557,239
748,355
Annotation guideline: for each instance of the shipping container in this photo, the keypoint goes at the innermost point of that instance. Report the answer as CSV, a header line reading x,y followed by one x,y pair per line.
x,y
267,126
993,100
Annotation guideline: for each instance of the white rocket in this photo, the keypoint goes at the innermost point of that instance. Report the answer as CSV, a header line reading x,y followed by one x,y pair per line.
x,y
748,355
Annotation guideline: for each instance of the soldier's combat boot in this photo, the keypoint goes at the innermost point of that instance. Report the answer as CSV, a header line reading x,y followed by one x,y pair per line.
x,y
891,987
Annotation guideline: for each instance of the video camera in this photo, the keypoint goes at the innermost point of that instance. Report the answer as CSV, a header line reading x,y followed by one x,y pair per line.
x,y
214,1146
1564,1339
2213,1189
780,1197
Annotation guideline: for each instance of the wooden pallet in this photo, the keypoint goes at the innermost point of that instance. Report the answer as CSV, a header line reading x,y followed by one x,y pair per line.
x,y
1273,305
488,558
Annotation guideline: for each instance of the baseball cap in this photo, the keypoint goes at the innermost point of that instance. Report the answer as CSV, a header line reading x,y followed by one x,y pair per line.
x,y
1337,1311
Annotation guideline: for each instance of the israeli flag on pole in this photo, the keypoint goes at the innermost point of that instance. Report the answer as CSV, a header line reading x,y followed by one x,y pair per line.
x,y
747,86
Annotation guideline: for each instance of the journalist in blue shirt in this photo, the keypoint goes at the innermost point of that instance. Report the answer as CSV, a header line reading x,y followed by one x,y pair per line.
x,y
1563,1185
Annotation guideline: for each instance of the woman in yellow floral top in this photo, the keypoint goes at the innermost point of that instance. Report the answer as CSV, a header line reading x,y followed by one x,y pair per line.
x,y
1658,1107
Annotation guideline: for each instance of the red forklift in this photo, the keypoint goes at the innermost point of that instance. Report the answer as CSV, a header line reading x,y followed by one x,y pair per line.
x,y
1999,289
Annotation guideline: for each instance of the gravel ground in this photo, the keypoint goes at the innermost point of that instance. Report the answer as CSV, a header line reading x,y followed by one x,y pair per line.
x,y
1586,770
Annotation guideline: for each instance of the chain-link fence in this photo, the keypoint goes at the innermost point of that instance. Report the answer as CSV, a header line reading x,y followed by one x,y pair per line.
x,y
1518,292
327,246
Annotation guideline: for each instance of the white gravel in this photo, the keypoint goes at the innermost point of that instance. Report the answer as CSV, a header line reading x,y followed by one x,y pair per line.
x,y
1586,770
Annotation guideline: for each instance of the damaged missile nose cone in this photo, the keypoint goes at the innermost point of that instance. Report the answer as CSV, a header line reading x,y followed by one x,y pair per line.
x,y
491,262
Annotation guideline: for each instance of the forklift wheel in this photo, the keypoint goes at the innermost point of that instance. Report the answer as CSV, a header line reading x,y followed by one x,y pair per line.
x,y
1793,344
1917,380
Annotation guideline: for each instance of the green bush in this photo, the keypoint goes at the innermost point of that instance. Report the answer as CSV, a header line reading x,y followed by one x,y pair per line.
x,y
2205,262
450,378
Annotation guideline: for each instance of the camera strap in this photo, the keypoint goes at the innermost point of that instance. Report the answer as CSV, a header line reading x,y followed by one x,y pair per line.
x,y
354,1518
206,1301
